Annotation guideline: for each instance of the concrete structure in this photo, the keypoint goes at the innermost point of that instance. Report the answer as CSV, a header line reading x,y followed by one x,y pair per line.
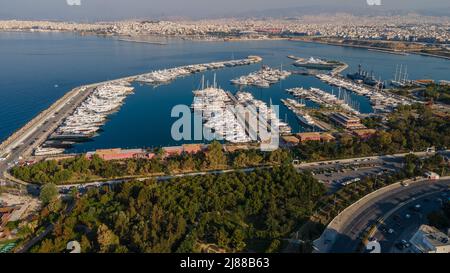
x,y
326,137
231,148
347,121
430,240
312,136
193,148
290,140
119,154
364,133
186,148
304,137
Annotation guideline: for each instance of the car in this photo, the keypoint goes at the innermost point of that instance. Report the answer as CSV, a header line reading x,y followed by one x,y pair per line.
x,y
408,216
399,246
391,231
405,243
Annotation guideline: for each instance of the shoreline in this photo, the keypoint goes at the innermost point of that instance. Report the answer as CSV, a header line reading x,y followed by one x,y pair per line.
x,y
375,49
230,39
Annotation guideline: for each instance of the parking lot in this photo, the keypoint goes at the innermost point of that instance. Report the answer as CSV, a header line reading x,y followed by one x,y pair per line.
x,y
336,175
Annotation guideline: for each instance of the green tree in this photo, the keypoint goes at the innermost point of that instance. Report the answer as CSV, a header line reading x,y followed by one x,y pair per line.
x,y
106,239
215,156
48,194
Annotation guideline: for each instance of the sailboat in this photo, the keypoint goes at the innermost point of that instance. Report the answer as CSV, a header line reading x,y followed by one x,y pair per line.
x,y
400,77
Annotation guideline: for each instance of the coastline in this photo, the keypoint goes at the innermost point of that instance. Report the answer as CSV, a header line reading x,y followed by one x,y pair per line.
x,y
133,39
371,48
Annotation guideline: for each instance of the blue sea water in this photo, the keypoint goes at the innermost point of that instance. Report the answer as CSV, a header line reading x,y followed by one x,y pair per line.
x,y
38,68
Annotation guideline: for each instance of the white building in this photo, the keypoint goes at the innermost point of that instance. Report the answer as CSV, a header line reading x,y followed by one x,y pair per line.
x,y
430,240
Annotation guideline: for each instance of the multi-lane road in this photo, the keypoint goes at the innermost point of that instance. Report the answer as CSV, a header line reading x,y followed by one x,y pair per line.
x,y
380,212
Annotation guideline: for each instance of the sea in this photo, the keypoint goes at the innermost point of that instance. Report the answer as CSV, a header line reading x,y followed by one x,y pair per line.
x,y
38,68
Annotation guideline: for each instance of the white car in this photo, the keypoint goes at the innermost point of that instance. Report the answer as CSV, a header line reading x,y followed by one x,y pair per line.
x,y
391,231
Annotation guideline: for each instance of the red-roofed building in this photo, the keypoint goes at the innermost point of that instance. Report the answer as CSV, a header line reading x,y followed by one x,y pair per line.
x,y
193,148
304,137
173,151
119,154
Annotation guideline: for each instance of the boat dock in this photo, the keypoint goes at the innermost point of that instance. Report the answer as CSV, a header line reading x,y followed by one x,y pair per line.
x,y
165,76
263,78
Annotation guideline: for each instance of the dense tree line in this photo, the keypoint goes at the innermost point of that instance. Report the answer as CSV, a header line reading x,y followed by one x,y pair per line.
x,y
438,93
81,169
231,211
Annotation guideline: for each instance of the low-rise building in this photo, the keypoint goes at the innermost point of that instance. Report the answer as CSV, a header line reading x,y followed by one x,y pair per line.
x,y
313,136
364,133
326,137
186,148
290,140
231,148
305,137
430,240
193,148
173,151
119,154
347,121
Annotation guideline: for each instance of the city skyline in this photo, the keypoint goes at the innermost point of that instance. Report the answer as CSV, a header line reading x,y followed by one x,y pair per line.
x,y
98,10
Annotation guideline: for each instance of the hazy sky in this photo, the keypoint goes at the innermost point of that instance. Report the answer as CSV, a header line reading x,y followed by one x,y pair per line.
x,y
121,9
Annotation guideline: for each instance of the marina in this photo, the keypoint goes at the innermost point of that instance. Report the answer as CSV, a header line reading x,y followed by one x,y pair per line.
x,y
166,76
327,100
87,118
134,125
301,115
228,115
380,100
263,78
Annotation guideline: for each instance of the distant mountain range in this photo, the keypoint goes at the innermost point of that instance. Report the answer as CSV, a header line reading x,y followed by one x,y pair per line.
x,y
363,10
356,8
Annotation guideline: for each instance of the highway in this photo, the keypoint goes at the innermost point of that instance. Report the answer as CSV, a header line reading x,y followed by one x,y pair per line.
x,y
367,215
